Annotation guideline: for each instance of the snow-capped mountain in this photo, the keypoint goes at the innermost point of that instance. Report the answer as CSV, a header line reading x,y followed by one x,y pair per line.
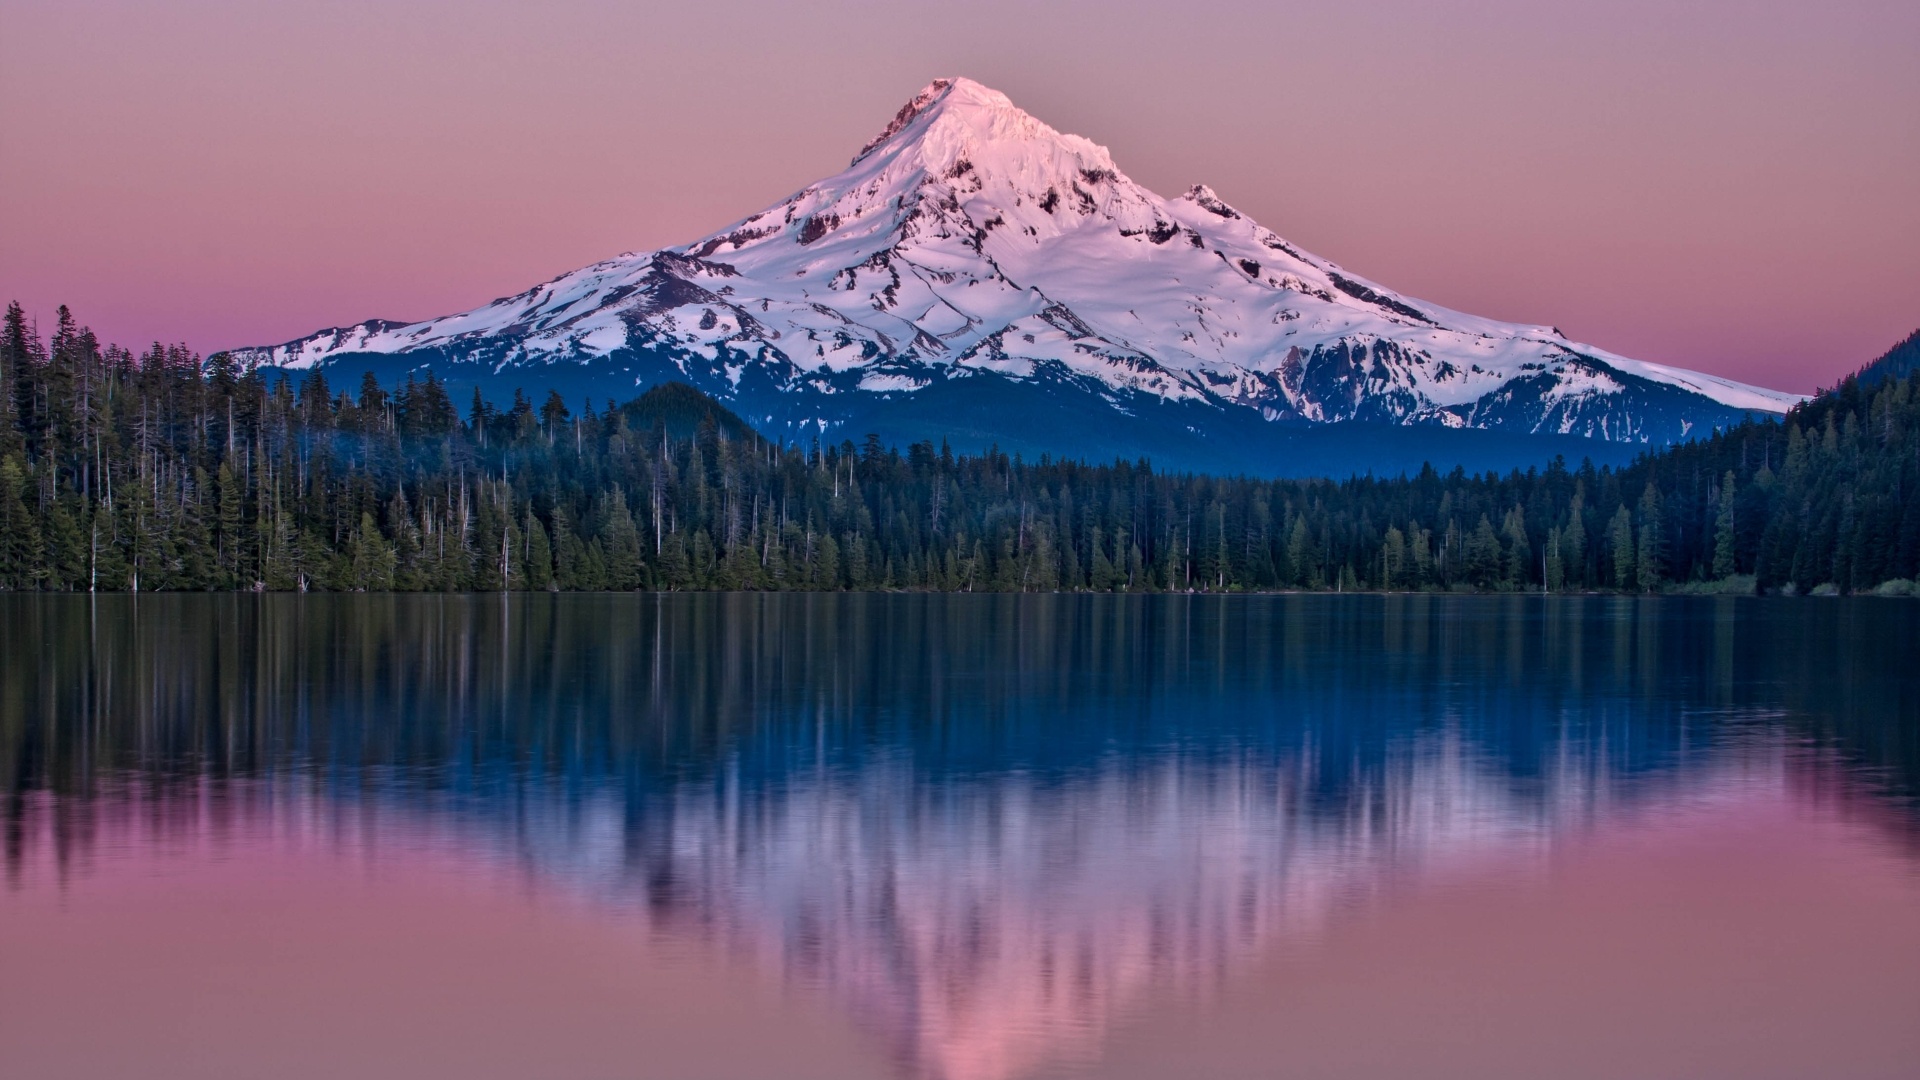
x,y
976,274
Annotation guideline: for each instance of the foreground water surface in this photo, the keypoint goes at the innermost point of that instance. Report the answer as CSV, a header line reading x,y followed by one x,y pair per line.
x,y
966,837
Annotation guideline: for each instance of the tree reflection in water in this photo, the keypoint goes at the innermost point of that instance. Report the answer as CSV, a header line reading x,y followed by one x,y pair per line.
x,y
986,825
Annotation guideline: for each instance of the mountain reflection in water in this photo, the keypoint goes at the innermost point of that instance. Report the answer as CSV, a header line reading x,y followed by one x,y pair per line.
x,y
986,826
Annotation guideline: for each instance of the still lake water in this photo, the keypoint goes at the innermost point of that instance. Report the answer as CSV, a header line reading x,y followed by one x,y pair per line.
x,y
959,837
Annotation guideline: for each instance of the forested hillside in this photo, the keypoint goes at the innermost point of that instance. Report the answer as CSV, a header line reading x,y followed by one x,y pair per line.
x,y
1899,362
159,471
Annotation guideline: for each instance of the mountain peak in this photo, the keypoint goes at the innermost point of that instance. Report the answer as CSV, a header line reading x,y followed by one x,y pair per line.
x,y
908,112
955,119
964,91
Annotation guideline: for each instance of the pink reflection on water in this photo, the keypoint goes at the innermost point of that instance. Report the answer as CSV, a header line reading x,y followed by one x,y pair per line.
x,y
1762,930
1756,916
230,935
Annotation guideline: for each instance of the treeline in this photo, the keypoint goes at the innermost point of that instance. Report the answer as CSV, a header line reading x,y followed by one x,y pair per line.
x,y
159,471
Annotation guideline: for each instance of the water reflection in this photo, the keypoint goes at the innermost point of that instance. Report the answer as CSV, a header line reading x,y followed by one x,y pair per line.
x,y
987,826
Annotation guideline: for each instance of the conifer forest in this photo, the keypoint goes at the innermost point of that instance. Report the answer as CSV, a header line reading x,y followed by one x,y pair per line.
x,y
161,471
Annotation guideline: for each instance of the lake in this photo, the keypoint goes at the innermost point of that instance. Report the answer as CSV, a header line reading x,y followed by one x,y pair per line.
x,y
959,837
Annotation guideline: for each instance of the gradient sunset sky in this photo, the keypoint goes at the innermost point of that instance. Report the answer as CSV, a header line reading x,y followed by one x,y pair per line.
x,y
1733,187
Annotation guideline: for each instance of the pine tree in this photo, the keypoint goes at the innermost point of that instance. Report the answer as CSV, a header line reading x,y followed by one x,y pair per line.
x,y
859,574
479,417
134,529
15,353
372,404
191,565
1042,572
279,559
703,558
593,566
553,415
1482,557
569,554
539,555
1723,562
228,538
491,548
676,572
373,558
1519,564
1103,577
405,533
826,565
1393,557
622,540
1573,539
1300,554
1650,561
20,540
1624,563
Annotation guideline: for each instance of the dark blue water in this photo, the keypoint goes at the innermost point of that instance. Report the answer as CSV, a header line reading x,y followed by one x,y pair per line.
x,y
987,832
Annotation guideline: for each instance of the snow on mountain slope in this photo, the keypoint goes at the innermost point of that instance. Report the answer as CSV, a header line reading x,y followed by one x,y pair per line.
x,y
970,240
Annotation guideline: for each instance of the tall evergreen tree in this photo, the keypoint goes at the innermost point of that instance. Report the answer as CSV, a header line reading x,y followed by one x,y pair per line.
x,y
20,541
1650,556
1625,563
1723,549
622,544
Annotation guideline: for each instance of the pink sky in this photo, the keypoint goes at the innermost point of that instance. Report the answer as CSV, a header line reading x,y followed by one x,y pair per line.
x,y
1724,186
